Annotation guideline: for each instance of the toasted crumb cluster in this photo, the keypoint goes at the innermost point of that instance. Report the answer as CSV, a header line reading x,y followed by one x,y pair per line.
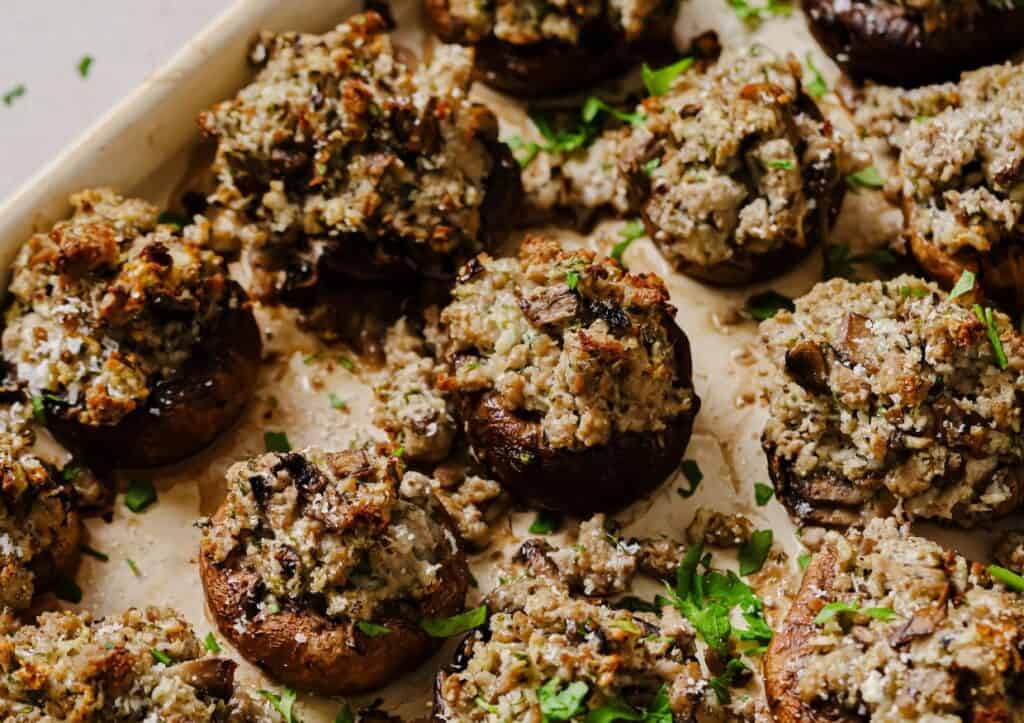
x,y
571,338
409,405
1009,550
341,148
71,667
892,393
939,640
39,529
541,640
335,532
734,159
961,156
107,304
524,22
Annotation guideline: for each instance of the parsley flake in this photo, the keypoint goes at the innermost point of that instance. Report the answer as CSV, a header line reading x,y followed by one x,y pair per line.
x,y
629,233
804,560
160,656
545,523
38,410
816,86
840,606
94,553
963,285
283,702
211,644
659,81
133,567
337,402
986,318
345,715
594,106
754,552
691,470
85,65
13,94
456,624
140,495
572,278
651,166
67,590
564,704
372,630
866,178
767,304
763,493
276,442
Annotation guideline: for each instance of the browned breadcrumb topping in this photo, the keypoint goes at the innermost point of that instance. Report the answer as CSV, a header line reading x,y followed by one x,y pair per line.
x,y
961,156
71,667
744,162
893,393
947,645
1009,550
537,632
39,530
524,22
571,338
331,530
341,147
108,303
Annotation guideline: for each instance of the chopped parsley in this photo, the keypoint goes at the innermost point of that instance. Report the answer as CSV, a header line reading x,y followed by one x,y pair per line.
x,y
70,473
133,567
456,624
762,493
557,703
345,715
545,523
985,317
276,442
784,164
816,86
140,495
372,629
282,702
173,218
839,262
804,560
836,608
160,656
38,410
660,80
754,552
85,65
594,106
93,552
767,304
691,470
707,601
1011,579
347,363
572,278
629,233
865,178
918,292
13,94
963,285
67,590
337,402
211,644
754,14
734,670
651,166
523,151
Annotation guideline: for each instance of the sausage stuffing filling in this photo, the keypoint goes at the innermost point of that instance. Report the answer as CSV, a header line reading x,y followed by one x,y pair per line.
x,y
893,390
332,532
906,630
547,655
569,338
107,304
961,156
143,665
341,147
524,22
734,158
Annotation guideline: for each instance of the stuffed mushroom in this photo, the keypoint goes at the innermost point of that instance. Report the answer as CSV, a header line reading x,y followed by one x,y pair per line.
x,y
547,655
910,43
961,168
545,48
344,160
736,173
320,567
127,333
140,665
572,378
40,524
891,627
893,393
